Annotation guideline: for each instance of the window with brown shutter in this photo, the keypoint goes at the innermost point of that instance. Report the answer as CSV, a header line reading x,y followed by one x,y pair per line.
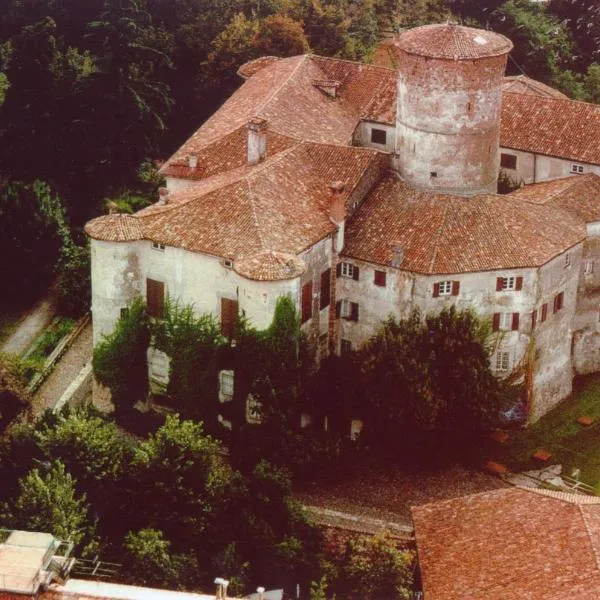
x,y
544,312
558,301
519,284
533,319
380,278
436,289
306,301
515,322
496,322
455,288
229,313
499,284
155,298
325,296
354,311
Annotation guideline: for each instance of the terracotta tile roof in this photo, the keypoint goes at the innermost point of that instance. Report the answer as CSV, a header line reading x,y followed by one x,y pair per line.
x,y
578,194
509,544
279,205
521,84
269,266
453,42
254,66
284,92
451,234
227,152
114,228
562,128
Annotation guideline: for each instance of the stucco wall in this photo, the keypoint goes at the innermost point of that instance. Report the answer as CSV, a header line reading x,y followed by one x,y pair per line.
x,y
362,136
552,372
586,339
535,168
448,122
119,272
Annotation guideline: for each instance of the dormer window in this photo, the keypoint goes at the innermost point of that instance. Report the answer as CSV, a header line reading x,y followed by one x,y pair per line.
x,y
157,246
378,136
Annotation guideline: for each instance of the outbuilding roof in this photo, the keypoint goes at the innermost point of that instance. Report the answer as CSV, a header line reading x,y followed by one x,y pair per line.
x,y
551,126
510,543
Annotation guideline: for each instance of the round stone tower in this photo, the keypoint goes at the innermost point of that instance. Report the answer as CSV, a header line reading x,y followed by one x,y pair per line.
x,y
448,118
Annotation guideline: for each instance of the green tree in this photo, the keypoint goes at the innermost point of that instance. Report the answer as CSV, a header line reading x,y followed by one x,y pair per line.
x,y
49,503
591,83
32,217
120,361
377,570
430,375
149,559
542,47
130,98
190,484
279,35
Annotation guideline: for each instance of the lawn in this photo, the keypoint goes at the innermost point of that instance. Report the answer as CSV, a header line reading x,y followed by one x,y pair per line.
x,y
571,445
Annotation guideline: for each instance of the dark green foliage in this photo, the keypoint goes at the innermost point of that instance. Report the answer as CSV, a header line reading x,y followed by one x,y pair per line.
x,y
192,344
48,502
149,560
270,367
31,217
73,286
376,570
507,184
430,376
120,361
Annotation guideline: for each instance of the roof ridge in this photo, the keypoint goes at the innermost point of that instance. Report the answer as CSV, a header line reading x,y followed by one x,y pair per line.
x,y
255,215
552,98
437,237
351,62
282,85
589,533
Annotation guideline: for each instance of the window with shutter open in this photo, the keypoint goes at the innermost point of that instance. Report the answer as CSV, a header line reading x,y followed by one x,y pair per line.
x,y
325,296
155,298
229,313
306,306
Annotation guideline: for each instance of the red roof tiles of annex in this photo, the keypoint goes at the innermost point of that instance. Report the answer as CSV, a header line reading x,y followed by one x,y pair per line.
x,y
442,234
511,544
452,42
279,205
561,128
578,194
521,84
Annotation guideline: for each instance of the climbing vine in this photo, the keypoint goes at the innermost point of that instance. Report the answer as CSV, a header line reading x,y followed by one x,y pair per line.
x,y
120,361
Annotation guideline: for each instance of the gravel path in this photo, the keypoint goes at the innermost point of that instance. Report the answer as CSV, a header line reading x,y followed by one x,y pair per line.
x,y
387,492
65,372
30,328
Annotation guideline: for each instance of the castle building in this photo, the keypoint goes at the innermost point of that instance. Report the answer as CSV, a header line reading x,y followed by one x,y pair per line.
x,y
364,191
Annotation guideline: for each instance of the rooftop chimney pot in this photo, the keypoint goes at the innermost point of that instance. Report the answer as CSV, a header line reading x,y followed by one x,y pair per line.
x,y
257,140
163,196
192,161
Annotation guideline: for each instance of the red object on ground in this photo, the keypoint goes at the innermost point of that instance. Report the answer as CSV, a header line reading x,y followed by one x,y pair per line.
x,y
542,455
585,420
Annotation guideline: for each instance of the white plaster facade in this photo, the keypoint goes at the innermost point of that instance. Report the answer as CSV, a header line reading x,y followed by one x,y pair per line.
x,y
535,168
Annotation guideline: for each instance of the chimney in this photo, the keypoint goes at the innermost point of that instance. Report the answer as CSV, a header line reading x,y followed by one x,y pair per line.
x,y
163,196
337,212
398,256
192,161
257,140
337,207
222,585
